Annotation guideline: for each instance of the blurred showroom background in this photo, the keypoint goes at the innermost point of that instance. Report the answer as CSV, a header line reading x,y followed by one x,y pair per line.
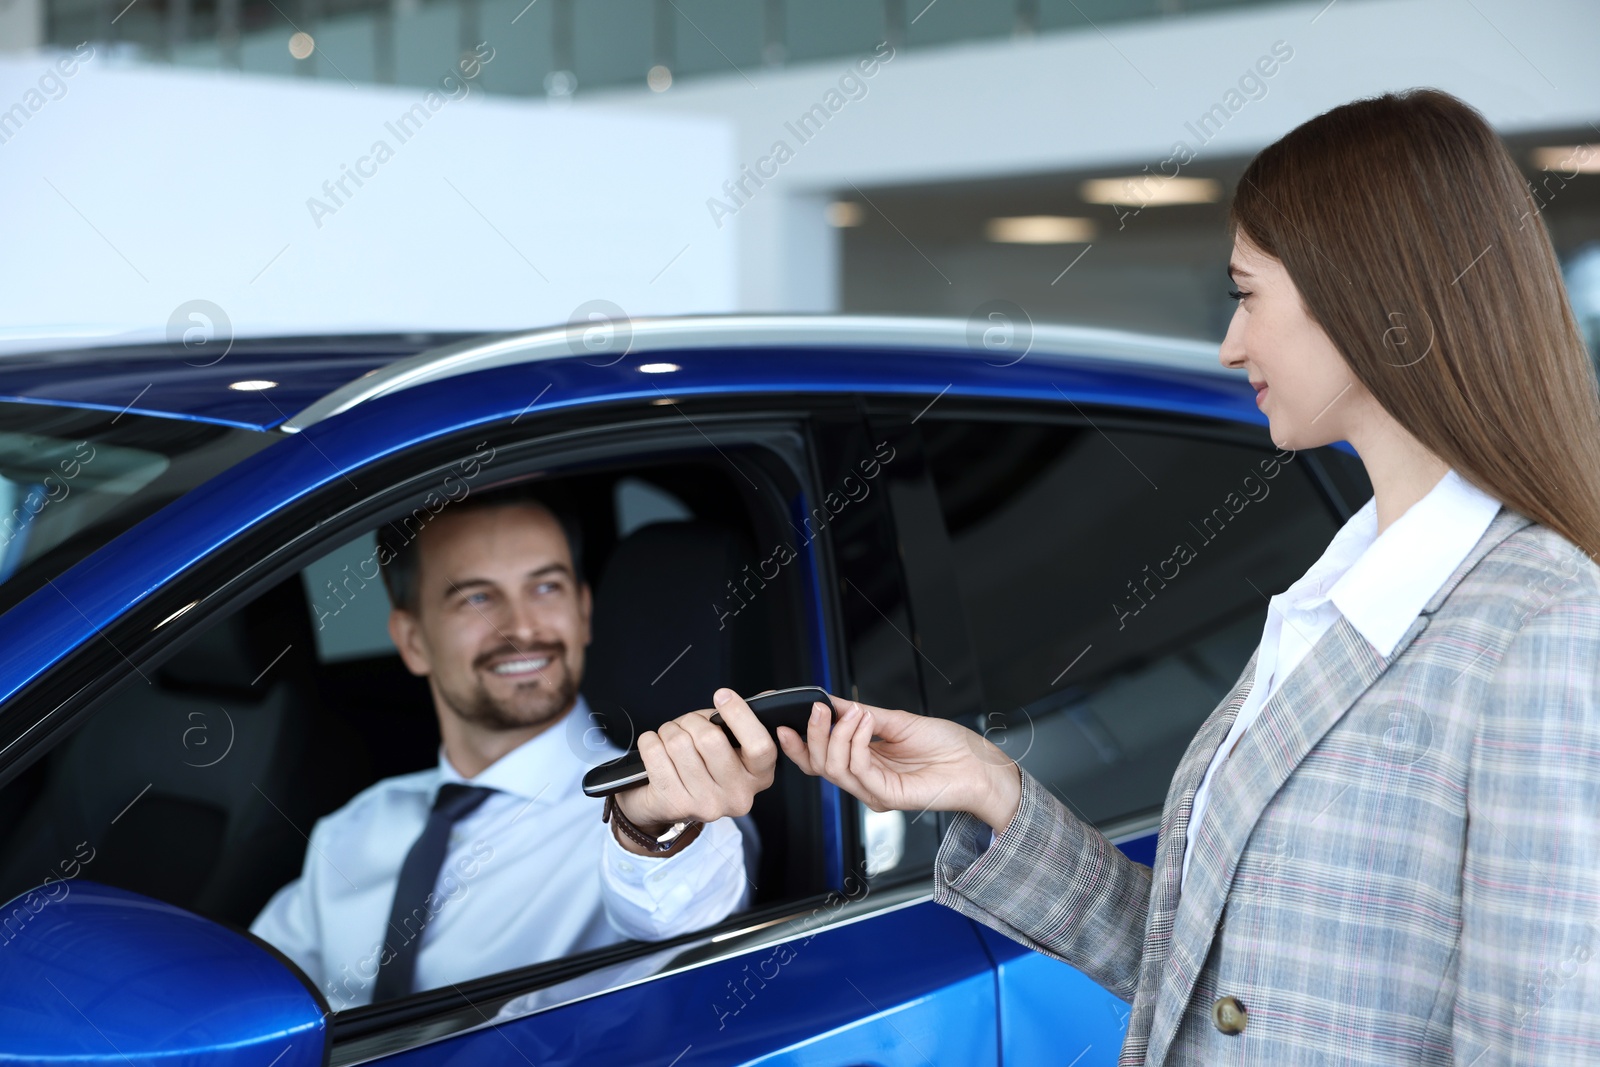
x,y
1073,157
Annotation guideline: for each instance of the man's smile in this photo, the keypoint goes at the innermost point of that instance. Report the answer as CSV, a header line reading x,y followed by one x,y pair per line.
x,y
521,665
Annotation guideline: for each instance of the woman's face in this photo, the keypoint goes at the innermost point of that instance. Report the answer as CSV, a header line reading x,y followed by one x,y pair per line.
x,y
1303,384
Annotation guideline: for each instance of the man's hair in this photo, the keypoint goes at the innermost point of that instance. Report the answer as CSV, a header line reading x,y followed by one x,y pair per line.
x,y
398,558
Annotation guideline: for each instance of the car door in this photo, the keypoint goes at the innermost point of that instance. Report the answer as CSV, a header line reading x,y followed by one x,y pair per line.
x,y
1083,592
873,971
853,973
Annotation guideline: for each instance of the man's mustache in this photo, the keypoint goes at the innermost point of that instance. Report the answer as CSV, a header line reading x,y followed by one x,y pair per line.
x,y
554,652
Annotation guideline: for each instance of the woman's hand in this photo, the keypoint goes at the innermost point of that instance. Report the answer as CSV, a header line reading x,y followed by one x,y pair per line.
x,y
894,760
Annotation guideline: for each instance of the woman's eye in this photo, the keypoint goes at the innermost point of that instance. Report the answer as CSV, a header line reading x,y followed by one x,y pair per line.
x,y
1236,294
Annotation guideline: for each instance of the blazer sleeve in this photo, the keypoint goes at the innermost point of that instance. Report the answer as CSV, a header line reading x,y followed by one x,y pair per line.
x,y
1528,983
1052,882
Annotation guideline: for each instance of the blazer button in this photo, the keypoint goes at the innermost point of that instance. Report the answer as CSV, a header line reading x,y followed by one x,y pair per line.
x,y
1229,1015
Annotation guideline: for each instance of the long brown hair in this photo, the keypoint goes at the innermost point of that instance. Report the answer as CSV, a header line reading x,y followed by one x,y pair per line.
x,y
1417,247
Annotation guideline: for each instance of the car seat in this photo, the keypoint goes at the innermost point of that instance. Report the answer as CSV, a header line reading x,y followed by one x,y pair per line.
x,y
661,645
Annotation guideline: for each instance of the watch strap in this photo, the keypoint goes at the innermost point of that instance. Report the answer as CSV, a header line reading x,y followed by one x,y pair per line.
x,y
674,840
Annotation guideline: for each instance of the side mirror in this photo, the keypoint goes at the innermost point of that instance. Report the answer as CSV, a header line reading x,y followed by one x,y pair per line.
x,y
97,974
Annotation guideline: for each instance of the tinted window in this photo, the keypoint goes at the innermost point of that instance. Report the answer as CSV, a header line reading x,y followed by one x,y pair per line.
x,y
72,479
1114,584
856,465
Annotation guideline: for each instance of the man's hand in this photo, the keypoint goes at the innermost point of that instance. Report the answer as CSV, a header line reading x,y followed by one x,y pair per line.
x,y
695,773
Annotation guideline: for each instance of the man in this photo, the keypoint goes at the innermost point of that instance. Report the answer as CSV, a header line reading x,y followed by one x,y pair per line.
x,y
494,858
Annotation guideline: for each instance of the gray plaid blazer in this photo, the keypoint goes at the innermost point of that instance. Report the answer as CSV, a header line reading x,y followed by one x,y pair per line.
x,y
1400,863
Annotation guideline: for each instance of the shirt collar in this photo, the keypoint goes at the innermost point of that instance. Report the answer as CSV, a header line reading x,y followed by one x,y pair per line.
x,y
546,766
1388,583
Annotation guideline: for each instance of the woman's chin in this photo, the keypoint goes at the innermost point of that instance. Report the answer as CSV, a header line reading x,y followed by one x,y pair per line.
x,y
1289,442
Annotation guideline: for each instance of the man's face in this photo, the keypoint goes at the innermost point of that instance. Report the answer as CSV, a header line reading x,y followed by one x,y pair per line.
x,y
501,624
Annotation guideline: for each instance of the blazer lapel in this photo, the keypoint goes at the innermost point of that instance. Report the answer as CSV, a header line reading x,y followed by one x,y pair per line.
x,y
1337,670
1319,691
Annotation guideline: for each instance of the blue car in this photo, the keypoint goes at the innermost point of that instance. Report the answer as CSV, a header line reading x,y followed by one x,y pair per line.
x,y
1063,538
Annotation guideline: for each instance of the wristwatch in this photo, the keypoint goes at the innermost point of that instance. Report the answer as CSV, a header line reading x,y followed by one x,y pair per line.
x,y
676,837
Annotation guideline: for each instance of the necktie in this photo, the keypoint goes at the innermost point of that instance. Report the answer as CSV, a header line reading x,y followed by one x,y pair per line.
x,y
418,876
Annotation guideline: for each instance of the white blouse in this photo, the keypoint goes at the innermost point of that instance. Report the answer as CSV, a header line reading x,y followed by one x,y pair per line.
x,y
1380,582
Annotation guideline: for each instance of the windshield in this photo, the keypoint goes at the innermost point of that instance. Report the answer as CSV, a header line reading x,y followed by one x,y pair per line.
x,y
72,479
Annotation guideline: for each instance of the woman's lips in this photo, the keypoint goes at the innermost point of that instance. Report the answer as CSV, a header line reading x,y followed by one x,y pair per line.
x,y
1261,395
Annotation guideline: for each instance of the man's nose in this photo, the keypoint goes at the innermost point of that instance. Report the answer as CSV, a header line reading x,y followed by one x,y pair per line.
x,y
522,622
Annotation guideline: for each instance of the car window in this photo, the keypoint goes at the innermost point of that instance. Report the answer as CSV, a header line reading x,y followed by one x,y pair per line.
x,y
202,787
638,503
346,598
856,464
72,479
1114,582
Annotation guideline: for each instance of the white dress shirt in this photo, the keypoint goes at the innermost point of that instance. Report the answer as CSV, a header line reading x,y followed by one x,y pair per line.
x,y
1380,582
532,874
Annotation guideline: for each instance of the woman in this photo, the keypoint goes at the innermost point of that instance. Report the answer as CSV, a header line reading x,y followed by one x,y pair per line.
x,y
1384,845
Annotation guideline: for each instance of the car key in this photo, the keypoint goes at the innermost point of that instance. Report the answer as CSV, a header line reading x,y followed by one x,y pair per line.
x,y
783,707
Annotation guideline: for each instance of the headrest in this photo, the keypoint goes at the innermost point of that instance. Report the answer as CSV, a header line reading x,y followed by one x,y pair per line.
x,y
664,638
232,653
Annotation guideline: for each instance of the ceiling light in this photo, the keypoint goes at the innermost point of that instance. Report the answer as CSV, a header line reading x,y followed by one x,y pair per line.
x,y
301,45
253,385
843,213
659,78
1580,158
1145,190
1040,230
659,368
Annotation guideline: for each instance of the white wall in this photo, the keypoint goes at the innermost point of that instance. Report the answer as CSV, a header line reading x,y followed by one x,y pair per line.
x,y
186,186
126,193
1119,98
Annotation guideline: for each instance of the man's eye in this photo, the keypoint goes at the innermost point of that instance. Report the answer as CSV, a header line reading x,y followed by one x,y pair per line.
x,y
544,588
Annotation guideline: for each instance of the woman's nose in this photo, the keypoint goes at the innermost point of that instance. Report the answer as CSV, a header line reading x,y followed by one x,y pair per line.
x,y
1231,352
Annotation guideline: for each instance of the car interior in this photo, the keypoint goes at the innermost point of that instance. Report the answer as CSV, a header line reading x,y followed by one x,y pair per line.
x,y
197,781
1100,703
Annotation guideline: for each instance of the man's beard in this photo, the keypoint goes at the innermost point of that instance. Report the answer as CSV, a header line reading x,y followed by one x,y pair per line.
x,y
550,697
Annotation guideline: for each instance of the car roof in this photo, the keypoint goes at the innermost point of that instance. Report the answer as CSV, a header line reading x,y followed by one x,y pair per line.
x,y
320,377
604,343
164,379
